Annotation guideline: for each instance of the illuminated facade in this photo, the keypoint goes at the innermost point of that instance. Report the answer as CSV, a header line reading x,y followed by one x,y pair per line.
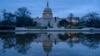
x,y
48,20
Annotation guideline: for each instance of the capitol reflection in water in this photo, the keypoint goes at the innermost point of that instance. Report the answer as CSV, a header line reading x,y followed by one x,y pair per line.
x,y
49,44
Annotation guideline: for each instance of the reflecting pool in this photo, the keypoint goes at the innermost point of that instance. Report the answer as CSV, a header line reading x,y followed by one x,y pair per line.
x,y
49,44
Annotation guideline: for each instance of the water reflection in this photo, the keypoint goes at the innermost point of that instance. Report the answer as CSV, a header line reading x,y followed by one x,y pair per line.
x,y
22,42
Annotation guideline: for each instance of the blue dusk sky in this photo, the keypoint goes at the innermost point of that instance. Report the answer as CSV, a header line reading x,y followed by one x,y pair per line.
x,y
60,8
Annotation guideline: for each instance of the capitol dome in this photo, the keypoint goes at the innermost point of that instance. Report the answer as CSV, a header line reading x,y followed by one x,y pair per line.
x,y
47,11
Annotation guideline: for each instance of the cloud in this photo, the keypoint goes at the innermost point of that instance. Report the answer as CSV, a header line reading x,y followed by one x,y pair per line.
x,y
60,8
77,10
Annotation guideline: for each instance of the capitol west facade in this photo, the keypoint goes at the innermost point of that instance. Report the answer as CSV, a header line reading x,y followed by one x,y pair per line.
x,y
47,19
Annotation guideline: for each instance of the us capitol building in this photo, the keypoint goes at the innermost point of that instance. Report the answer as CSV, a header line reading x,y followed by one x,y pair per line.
x,y
47,19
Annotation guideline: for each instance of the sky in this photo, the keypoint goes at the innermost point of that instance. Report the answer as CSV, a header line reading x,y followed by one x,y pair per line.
x,y
60,8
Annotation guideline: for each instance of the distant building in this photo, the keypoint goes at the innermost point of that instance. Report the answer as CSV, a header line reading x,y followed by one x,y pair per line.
x,y
47,20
